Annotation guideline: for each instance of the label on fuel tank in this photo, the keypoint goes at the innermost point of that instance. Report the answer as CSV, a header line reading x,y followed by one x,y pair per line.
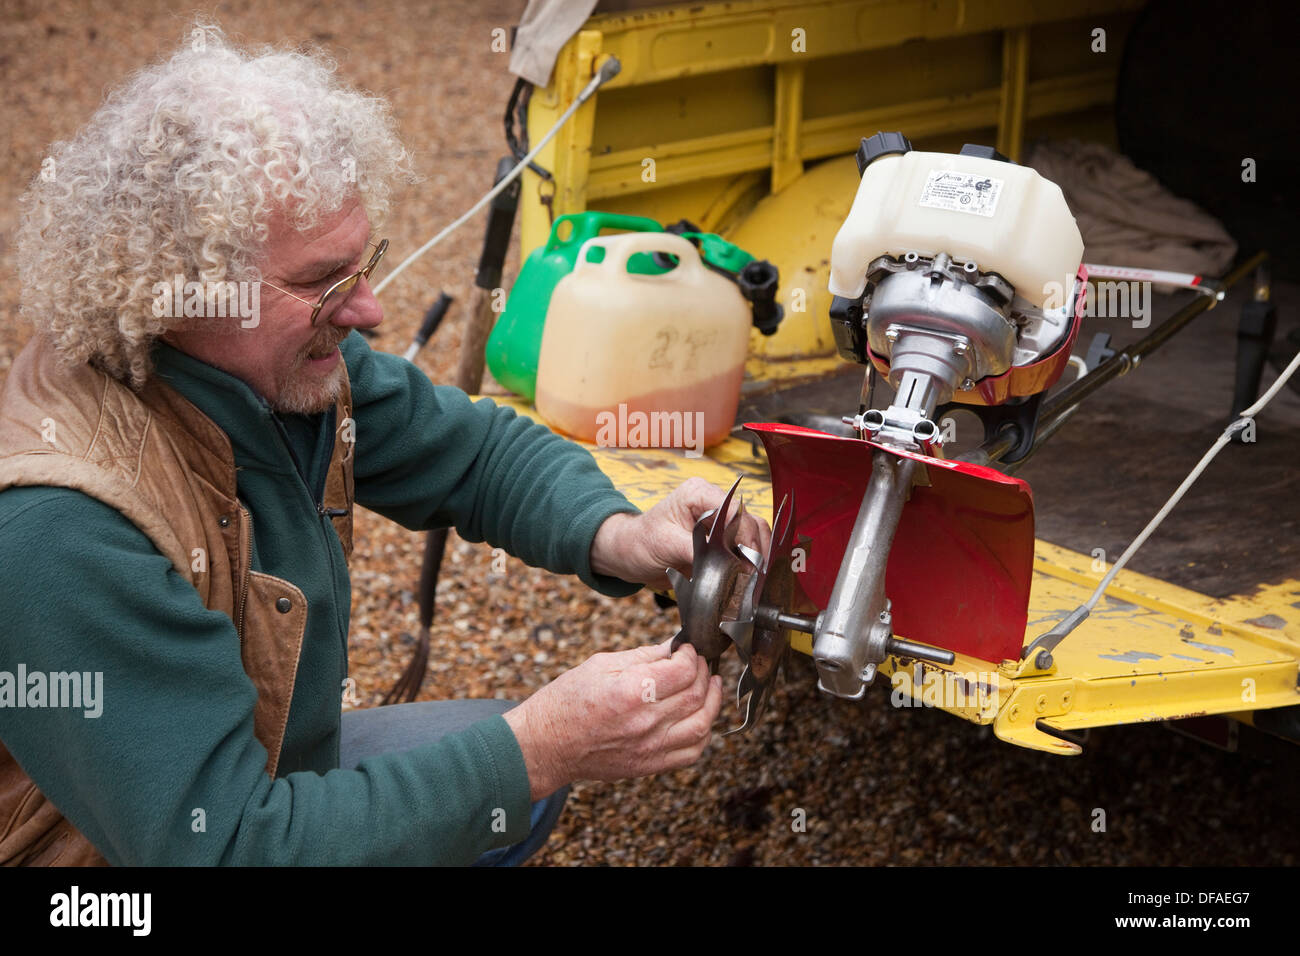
x,y
961,192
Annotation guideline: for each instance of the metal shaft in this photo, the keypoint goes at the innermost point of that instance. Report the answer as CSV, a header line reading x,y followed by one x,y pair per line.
x,y
901,648
1061,405
1129,356
852,633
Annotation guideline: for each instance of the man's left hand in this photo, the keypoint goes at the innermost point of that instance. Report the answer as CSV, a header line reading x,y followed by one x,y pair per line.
x,y
640,548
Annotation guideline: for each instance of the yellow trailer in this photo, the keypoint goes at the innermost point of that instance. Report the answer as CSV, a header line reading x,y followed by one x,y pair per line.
x,y
743,118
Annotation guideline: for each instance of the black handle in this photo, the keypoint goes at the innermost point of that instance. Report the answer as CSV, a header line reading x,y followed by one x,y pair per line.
x,y
433,318
501,221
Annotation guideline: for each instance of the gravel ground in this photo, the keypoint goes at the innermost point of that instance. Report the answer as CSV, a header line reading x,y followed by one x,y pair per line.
x,y
875,785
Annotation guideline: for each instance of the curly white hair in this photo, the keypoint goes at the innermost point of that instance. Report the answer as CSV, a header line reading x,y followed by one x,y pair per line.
x,y
179,172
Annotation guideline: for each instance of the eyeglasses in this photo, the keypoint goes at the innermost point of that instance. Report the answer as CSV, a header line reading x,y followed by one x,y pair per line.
x,y
336,295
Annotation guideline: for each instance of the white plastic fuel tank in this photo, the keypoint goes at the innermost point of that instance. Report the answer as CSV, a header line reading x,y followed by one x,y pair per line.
x,y
1004,217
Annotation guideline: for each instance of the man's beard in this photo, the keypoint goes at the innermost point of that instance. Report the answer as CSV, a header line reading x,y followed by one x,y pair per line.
x,y
301,393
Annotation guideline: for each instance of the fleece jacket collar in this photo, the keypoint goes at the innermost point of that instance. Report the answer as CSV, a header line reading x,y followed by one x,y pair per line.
x,y
260,438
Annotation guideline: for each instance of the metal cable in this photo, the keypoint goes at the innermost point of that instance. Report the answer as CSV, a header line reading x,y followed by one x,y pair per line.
x,y
608,70
1076,617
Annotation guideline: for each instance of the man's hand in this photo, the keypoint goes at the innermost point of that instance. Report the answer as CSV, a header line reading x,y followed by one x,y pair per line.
x,y
639,548
626,714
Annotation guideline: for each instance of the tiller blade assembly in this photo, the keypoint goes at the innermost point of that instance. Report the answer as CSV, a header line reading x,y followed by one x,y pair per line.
x,y
736,596
718,563
758,633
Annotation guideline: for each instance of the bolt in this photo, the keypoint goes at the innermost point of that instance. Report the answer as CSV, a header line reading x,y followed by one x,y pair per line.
x,y
891,334
967,385
1041,704
1043,661
960,348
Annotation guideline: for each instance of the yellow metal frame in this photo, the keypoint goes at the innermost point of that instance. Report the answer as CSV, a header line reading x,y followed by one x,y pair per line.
x,y
718,41
721,109
739,125
1150,651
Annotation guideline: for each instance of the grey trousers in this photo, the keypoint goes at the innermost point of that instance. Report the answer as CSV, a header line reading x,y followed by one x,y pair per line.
x,y
400,727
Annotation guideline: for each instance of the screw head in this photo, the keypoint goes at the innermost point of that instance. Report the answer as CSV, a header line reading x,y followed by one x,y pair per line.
x,y
891,334
967,385
960,348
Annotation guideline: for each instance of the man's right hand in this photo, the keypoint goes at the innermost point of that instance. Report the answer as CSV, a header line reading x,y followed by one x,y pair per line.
x,y
618,715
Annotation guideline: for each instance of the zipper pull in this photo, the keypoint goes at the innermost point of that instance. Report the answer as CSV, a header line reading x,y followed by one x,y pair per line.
x,y
331,512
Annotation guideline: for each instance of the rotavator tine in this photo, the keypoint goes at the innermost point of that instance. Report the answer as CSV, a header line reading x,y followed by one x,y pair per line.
x,y
767,646
745,684
676,578
721,513
700,533
750,555
753,709
731,533
780,534
681,588
741,633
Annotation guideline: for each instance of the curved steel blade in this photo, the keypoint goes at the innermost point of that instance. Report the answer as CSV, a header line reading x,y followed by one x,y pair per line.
x,y
771,590
720,513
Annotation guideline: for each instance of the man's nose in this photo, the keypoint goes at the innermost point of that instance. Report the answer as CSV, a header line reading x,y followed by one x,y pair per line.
x,y
362,310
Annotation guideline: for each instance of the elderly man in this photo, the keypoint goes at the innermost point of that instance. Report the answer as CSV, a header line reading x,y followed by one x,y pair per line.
x,y
176,493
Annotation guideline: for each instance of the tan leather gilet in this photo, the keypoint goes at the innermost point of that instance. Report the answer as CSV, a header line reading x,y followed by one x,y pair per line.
x,y
169,469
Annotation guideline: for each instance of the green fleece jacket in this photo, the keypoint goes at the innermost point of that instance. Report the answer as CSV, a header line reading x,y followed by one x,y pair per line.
x,y
171,772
